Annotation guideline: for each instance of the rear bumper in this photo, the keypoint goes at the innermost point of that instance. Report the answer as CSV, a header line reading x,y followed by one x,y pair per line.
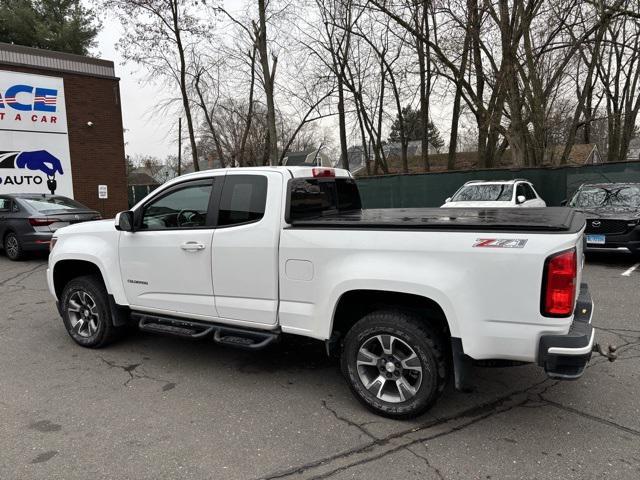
x,y
566,356
35,241
629,241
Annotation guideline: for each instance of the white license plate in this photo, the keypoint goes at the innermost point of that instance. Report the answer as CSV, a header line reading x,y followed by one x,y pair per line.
x,y
596,239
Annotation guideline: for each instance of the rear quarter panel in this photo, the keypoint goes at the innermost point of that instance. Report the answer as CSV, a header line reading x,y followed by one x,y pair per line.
x,y
490,296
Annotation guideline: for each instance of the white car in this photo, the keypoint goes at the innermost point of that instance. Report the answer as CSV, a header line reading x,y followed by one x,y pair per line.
x,y
407,298
495,194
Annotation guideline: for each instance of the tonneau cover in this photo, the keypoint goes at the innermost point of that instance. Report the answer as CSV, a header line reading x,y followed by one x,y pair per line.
x,y
550,219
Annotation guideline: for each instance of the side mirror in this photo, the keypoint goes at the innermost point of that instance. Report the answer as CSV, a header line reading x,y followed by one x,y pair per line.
x,y
124,221
563,203
520,199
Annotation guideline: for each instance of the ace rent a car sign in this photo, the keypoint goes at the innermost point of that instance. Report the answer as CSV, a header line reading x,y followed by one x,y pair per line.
x,y
34,143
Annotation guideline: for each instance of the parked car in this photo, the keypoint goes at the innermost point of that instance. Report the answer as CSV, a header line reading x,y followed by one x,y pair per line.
x,y
27,221
495,194
407,298
613,215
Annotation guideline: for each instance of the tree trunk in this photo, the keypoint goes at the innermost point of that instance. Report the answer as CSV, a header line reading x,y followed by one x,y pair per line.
x,y
183,86
247,126
344,153
207,116
455,117
424,103
268,75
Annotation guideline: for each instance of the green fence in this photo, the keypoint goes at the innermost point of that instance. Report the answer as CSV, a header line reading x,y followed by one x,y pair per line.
x,y
431,189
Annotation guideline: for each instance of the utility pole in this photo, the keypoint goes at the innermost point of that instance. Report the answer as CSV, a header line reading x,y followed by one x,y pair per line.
x,y
179,145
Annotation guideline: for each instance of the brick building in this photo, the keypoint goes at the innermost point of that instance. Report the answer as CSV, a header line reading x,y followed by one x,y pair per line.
x,y
61,121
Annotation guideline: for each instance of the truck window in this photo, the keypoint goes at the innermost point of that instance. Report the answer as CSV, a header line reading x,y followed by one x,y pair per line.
x,y
487,192
311,197
528,192
243,200
185,207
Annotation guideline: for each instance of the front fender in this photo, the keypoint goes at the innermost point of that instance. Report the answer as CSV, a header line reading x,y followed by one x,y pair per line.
x,y
102,252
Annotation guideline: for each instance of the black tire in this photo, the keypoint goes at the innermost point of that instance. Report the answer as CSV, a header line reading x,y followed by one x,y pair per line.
x,y
100,331
12,247
413,332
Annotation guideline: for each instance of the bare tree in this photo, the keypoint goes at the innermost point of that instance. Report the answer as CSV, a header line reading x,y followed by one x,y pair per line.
x,y
158,35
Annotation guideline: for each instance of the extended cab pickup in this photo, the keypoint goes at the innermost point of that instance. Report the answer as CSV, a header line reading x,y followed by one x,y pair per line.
x,y
407,298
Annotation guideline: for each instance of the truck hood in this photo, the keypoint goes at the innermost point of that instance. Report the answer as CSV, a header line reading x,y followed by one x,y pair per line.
x,y
614,213
490,204
88,227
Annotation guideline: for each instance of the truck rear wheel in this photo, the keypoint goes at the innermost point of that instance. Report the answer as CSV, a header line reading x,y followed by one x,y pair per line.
x,y
394,363
86,313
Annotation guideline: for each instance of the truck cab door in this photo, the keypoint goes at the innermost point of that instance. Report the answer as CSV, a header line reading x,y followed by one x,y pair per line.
x,y
245,247
166,263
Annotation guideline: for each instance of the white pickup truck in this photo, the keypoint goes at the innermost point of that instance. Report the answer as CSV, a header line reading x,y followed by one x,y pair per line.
x,y
408,298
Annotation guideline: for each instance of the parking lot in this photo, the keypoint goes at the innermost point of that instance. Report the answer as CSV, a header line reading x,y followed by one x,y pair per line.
x,y
152,407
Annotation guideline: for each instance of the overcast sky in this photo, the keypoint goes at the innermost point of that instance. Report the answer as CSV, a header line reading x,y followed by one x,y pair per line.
x,y
146,131
151,132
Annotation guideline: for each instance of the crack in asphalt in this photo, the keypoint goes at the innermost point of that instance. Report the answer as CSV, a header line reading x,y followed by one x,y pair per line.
x,y
607,329
595,418
528,399
445,433
134,373
348,422
426,460
478,412
623,334
26,274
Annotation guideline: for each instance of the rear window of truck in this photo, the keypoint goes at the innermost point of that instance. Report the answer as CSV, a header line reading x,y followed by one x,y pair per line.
x,y
315,197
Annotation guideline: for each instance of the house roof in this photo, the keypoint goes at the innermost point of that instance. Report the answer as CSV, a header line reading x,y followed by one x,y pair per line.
x,y
579,155
141,178
50,60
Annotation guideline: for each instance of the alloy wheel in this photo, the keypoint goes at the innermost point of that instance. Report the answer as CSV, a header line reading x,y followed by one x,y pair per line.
x,y
389,368
83,314
11,246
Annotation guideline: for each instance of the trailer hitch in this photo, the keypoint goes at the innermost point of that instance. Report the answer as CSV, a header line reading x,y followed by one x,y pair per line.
x,y
610,352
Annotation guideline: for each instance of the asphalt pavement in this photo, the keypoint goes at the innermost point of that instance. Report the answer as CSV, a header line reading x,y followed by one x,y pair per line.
x,y
153,407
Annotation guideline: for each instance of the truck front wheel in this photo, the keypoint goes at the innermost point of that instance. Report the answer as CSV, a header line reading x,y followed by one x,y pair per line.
x,y
394,363
86,313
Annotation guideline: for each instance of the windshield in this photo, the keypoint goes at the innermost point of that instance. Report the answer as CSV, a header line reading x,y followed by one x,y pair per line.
x,y
44,204
622,196
491,192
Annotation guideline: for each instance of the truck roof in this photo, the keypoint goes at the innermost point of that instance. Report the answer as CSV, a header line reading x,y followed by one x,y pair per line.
x,y
494,182
294,171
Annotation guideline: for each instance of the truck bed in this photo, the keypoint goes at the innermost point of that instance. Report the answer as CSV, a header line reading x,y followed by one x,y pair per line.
x,y
543,220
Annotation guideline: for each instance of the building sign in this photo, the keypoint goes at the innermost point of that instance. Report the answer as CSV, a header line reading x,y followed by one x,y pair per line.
x,y
34,141
103,192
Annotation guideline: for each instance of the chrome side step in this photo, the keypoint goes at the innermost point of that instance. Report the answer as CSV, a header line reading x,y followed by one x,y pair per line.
x,y
232,336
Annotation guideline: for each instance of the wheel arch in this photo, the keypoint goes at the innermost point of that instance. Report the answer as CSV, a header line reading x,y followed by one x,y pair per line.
x,y
355,304
6,232
66,270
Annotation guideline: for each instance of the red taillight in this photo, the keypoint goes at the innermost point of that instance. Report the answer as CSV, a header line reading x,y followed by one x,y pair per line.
x,y
559,284
324,172
43,222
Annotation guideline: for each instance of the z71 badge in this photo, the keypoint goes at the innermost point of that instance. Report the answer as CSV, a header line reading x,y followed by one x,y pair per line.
x,y
500,242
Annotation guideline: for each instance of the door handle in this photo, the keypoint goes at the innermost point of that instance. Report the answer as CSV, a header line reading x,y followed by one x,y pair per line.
x,y
192,246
